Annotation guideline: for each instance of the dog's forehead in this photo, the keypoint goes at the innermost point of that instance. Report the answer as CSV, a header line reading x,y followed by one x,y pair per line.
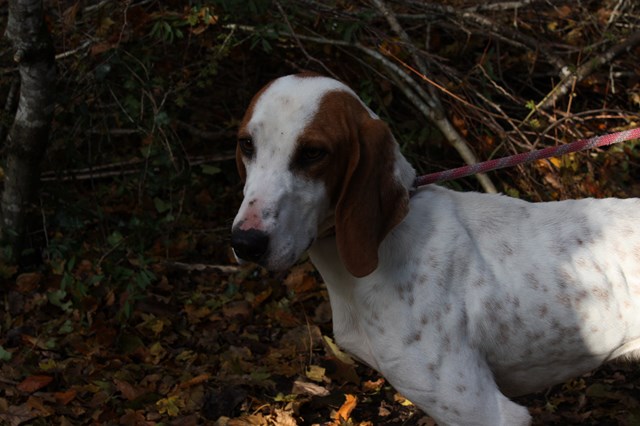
x,y
289,103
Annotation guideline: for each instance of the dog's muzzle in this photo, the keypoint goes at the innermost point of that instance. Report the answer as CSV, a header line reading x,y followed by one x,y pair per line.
x,y
250,244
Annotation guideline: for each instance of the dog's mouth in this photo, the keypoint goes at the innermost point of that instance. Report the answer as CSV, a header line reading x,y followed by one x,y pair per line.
x,y
247,249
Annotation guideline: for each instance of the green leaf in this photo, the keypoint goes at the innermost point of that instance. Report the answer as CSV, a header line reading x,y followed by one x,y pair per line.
x,y
56,298
161,205
210,170
47,365
66,328
129,343
115,238
260,375
598,390
4,355
280,397
162,118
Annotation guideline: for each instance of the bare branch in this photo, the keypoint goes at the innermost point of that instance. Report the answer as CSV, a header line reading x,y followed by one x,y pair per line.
x,y
584,70
300,46
436,113
501,32
123,168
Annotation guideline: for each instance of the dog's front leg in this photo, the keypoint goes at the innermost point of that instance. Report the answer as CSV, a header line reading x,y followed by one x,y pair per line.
x,y
456,389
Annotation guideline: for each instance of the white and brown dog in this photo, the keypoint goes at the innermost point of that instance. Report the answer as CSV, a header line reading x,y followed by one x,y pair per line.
x,y
459,299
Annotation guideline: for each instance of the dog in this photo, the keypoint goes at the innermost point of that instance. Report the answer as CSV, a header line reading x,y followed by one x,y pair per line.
x,y
460,300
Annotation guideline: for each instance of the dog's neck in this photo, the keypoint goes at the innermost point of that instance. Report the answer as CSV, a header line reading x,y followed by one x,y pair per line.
x,y
403,170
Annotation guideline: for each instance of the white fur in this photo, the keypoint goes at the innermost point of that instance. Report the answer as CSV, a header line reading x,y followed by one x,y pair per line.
x,y
475,296
279,117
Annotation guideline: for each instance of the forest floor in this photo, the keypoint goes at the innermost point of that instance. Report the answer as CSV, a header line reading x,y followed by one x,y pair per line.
x,y
136,314
225,345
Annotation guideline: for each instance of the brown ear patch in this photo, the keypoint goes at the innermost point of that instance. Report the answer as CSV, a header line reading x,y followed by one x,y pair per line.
x,y
372,201
368,199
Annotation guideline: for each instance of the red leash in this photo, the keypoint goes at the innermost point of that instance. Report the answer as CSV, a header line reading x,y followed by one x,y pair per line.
x,y
526,157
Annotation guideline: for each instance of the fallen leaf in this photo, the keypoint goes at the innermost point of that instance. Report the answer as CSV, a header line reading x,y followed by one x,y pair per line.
x,y
383,411
191,420
304,338
66,422
170,405
299,280
38,404
249,420
28,281
308,388
196,313
284,418
315,373
129,391
334,350
34,383
63,398
342,372
18,414
345,411
133,418
241,309
261,297
371,386
156,353
195,380
402,400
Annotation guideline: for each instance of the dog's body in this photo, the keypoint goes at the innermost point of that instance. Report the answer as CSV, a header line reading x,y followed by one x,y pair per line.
x,y
458,299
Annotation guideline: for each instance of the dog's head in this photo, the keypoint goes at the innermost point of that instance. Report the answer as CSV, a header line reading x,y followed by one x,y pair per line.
x,y
313,156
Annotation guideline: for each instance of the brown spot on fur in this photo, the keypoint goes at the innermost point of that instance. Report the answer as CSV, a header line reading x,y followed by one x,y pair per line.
x,y
532,280
413,337
543,310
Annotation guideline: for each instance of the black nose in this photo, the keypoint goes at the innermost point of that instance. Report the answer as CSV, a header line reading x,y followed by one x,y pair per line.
x,y
250,244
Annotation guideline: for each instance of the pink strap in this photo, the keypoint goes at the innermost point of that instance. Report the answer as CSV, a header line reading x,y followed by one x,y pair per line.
x,y
526,157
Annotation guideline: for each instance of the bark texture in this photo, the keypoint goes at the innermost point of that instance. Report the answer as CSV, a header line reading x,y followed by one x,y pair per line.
x,y
29,134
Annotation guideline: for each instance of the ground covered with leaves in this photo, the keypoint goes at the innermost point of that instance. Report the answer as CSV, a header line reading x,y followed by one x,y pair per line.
x,y
126,307
224,346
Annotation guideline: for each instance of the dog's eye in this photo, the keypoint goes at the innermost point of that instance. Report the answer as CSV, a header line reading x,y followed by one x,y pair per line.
x,y
312,155
246,146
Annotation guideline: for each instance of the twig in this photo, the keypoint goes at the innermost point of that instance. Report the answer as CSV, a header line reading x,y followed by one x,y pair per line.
x,y
300,46
397,28
584,70
502,6
615,13
8,381
200,267
121,169
583,116
437,114
425,104
205,134
502,32
72,52
421,99
516,37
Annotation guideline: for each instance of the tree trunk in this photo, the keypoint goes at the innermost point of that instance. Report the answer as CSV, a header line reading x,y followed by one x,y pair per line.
x,y
29,134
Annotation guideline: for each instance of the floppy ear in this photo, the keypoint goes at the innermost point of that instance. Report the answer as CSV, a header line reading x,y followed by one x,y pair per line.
x,y
372,201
